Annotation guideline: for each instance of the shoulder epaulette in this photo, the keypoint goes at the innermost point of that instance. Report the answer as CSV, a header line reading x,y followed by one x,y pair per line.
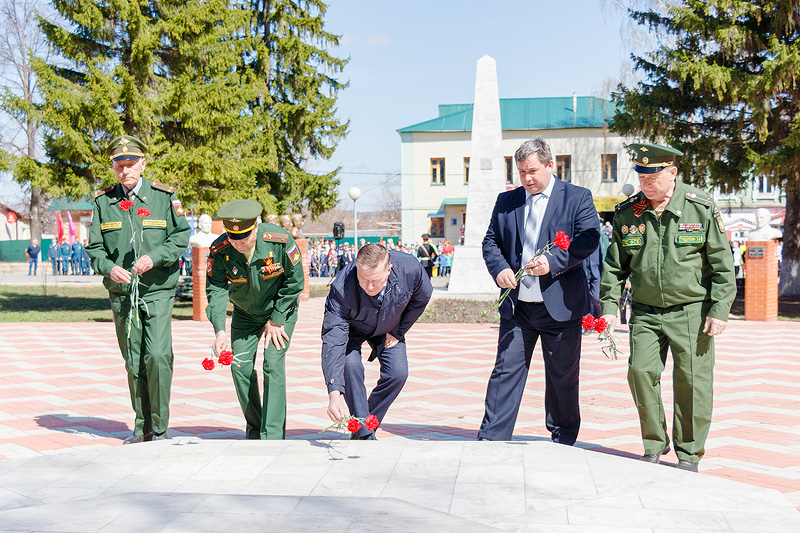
x,y
104,191
694,197
219,245
626,203
275,234
161,187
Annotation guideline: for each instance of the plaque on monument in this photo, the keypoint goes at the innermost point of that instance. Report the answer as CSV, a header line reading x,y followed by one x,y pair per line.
x,y
755,251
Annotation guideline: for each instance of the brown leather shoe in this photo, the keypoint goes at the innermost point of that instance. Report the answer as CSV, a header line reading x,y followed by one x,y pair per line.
x,y
654,457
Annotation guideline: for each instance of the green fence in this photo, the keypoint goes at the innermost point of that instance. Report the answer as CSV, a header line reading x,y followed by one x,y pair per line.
x,y
14,251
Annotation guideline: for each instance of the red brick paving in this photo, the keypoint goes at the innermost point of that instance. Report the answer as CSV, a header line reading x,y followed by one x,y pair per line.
x,y
63,387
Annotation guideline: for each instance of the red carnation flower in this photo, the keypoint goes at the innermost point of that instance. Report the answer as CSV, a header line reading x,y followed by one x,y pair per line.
x,y
600,325
142,212
353,425
588,322
125,205
208,364
225,358
372,422
561,240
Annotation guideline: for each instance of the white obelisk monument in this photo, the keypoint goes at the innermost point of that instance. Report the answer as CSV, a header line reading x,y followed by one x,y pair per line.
x,y
487,169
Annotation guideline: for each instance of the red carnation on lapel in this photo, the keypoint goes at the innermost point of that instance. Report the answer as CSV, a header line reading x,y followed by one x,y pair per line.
x,y
125,205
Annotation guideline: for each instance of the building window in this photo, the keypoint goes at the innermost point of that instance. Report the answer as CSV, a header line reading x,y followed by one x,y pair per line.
x,y
437,227
608,163
437,171
509,171
466,170
764,186
564,167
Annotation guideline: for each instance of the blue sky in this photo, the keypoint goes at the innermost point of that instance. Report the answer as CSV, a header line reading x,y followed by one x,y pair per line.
x,y
408,57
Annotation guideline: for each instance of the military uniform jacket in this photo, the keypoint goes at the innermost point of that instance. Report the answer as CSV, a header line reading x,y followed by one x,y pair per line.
x,y
682,257
164,235
266,289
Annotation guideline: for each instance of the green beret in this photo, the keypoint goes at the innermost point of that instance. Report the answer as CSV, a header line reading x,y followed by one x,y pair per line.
x,y
239,217
652,158
126,147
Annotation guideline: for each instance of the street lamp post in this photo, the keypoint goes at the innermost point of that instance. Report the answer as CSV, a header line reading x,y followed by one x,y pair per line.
x,y
355,194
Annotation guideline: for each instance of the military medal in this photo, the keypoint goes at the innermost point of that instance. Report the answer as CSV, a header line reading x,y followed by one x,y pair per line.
x,y
633,229
235,271
624,230
641,228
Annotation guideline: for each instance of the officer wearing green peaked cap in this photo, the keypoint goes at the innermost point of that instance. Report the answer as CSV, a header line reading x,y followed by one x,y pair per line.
x,y
138,232
261,264
126,147
239,217
652,158
670,241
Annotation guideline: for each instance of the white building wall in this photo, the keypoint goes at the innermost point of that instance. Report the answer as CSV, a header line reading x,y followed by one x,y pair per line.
x,y
419,197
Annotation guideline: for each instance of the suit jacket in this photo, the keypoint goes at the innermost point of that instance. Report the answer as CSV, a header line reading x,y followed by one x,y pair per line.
x,y
570,209
407,292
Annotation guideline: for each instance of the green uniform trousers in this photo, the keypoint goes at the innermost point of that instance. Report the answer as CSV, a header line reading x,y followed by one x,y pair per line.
x,y
679,328
267,420
148,359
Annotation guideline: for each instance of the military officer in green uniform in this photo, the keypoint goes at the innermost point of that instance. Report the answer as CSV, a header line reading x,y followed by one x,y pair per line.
x,y
258,267
140,240
670,240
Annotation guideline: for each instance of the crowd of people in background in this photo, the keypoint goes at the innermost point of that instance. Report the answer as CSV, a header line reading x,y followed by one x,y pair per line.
x,y
327,257
65,258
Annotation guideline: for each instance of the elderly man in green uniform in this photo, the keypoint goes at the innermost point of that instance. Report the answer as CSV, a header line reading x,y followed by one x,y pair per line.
x,y
259,268
138,231
670,240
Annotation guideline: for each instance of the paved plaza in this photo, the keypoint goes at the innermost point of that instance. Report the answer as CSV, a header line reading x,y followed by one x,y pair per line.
x,y
64,410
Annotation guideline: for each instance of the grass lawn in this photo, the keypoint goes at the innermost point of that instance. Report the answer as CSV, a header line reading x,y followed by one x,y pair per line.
x,y
37,303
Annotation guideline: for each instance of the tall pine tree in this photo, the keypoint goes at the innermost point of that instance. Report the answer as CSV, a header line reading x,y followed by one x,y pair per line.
x,y
723,87
231,97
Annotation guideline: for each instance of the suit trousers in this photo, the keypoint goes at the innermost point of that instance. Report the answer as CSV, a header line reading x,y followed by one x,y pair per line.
x,y
148,359
654,331
267,420
561,350
393,375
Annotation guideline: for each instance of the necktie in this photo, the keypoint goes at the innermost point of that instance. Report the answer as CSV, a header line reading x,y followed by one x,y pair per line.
x,y
531,234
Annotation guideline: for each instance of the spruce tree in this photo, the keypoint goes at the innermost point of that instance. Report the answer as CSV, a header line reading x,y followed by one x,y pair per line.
x,y
722,87
203,83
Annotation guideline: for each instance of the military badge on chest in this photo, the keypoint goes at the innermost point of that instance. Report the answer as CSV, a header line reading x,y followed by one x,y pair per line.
x,y
271,268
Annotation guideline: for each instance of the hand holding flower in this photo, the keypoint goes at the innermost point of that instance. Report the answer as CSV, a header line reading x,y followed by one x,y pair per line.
x,y
119,274
143,264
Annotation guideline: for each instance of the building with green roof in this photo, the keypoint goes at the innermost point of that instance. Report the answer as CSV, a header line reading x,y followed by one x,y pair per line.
x,y
435,157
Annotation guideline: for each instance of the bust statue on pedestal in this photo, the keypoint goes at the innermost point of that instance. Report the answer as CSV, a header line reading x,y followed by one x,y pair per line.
x,y
297,226
763,231
203,237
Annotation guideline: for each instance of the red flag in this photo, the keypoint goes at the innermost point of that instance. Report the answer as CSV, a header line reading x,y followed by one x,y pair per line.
x,y
60,224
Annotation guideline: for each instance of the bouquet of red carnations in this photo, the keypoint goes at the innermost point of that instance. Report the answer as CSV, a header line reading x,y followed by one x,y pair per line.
x,y
600,326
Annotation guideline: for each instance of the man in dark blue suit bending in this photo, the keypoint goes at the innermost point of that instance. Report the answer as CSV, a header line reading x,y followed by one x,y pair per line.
x,y
376,298
549,303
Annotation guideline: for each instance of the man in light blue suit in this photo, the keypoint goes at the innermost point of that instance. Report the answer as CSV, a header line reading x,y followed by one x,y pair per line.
x,y
549,303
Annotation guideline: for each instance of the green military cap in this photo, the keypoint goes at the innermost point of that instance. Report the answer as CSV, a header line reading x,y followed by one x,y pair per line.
x,y
652,158
126,147
239,217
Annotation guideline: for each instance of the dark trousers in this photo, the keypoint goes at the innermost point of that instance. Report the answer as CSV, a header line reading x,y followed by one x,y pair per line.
x,y
561,347
394,373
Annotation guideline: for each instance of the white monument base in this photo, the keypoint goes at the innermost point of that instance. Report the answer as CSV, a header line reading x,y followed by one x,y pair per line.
x,y
469,274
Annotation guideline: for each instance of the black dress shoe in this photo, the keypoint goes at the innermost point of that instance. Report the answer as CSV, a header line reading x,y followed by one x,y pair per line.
x,y
368,436
136,439
686,465
483,438
654,457
162,436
